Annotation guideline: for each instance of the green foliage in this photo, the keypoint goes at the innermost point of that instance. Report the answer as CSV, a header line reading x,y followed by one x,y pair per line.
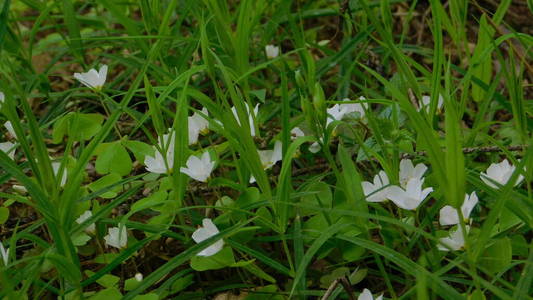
x,y
77,126
344,96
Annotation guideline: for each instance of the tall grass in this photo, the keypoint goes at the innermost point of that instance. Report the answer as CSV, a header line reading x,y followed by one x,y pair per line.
x,y
287,233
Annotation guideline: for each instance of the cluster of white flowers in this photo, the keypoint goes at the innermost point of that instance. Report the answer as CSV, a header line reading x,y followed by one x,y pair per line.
x,y
409,194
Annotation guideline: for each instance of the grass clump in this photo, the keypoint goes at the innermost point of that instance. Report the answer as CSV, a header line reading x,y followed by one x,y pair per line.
x,y
265,149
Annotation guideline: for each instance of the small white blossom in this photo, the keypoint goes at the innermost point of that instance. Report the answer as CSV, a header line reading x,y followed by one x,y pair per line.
x,y
271,51
408,171
455,241
117,237
20,188
338,111
296,132
2,98
203,233
10,129
199,168
426,100
8,148
86,215
93,79
315,147
449,215
250,117
197,124
411,197
500,173
55,167
377,191
139,277
367,295
156,164
4,253
270,157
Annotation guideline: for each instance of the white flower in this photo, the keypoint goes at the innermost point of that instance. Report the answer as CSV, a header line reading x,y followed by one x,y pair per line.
x,y
296,132
197,124
117,237
338,111
86,215
199,168
426,100
2,98
203,233
139,277
367,295
20,188
55,167
449,215
315,147
93,79
10,129
334,114
377,191
8,148
156,164
251,118
4,253
411,197
455,241
500,173
271,51
408,171
270,157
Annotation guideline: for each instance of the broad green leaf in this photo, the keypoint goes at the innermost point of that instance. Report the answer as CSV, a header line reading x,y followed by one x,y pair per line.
x,y
156,199
108,281
151,296
317,194
80,239
224,258
113,158
139,149
130,284
107,294
497,257
4,214
104,182
78,126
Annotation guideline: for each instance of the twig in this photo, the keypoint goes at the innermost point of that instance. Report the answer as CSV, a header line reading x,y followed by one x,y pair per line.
x,y
345,284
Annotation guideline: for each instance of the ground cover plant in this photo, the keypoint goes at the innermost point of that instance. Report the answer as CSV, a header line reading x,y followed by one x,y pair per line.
x,y
254,149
